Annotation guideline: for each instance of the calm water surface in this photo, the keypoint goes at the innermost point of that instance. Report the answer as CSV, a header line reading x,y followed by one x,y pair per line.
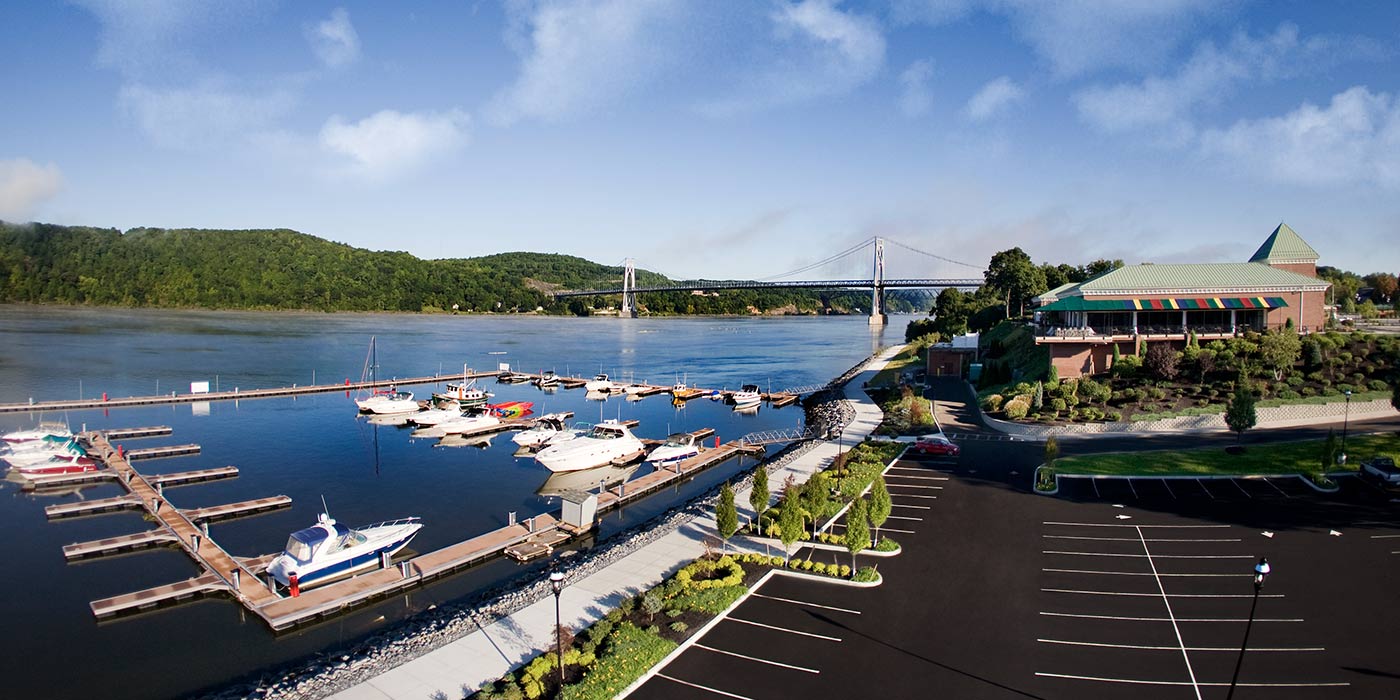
x,y
315,446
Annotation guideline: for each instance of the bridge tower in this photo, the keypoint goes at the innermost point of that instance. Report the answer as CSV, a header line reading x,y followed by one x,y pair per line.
x,y
629,283
877,294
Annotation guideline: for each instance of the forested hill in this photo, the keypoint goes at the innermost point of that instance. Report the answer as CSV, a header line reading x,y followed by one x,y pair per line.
x,y
283,269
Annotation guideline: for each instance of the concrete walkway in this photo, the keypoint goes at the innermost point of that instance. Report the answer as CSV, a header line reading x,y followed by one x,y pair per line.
x,y
497,649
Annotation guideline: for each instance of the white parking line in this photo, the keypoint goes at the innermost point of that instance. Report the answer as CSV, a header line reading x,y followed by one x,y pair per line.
x,y
755,658
1155,595
1163,619
911,495
1203,488
716,691
1179,641
906,517
1134,539
782,629
914,486
1169,488
924,478
814,605
1193,683
1134,489
901,505
1276,488
1144,556
890,529
1183,527
1173,648
1143,573
1236,482
1384,537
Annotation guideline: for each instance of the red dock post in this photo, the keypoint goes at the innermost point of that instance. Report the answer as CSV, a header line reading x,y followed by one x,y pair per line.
x,y
294,585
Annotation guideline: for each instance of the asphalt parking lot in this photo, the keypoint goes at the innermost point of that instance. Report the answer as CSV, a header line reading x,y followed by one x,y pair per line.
x,y
1136,590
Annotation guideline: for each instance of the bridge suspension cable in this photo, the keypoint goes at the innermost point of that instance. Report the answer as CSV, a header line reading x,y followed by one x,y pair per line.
x,y
845,253
933,255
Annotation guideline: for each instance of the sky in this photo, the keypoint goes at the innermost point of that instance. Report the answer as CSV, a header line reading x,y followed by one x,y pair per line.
x,y
718,138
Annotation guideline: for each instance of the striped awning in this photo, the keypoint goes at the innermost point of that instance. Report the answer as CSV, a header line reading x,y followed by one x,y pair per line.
x,y
1176,304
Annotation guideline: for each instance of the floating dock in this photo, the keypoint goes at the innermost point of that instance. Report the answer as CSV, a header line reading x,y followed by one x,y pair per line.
x,y
160,452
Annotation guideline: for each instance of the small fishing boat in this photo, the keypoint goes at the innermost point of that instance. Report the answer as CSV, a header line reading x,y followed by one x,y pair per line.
x,y
464,393
747,397
43,430
678,447
681,392
328,550
609,442
546,429
600,382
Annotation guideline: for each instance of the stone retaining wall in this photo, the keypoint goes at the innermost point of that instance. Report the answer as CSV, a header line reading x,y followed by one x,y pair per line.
x,y
1216,421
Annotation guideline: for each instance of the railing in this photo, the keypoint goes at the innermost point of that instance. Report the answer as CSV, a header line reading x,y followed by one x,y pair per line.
x,y
1113,331
771,436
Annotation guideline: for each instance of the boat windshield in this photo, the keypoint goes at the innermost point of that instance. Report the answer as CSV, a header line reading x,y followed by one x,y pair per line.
x,y
605,432
351,539
678,440
297,549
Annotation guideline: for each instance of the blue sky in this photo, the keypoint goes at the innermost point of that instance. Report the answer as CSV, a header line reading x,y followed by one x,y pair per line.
x,y
717,138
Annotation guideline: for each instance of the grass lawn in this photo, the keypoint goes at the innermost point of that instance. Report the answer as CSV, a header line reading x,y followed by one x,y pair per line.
x,y
890,374
1279,458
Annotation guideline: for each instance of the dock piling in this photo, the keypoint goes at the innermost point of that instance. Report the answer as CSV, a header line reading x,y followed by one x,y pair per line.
x,y
237,579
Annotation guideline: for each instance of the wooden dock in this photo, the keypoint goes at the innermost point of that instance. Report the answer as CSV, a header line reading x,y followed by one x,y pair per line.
x,y
101,505
121,543
57,481
237,510
193,477
134,433
164,451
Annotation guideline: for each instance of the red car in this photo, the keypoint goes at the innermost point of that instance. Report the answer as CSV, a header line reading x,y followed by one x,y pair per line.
x,y
934,445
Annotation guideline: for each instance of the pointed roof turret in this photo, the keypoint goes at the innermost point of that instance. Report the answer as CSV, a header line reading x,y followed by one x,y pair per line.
x,y
1284,245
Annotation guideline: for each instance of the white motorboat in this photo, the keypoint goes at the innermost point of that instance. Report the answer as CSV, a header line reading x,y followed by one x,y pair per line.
x,y
547,379
434,416
747,397
49,443
389,402
600,382
457,426
634,389
547,428
36,452
609,442
677,448
328,550
39,432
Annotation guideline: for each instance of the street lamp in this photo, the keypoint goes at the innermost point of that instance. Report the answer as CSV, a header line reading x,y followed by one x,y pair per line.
x,y
556,582
1261,572
1346,420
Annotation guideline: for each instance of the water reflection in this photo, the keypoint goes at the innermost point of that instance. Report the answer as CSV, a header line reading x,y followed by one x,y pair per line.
x,y
586,479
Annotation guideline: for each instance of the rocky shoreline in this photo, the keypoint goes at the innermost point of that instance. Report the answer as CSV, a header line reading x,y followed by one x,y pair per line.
x,y
332,672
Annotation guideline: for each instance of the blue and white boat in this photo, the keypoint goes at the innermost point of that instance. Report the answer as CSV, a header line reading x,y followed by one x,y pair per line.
x,y
677,448
328,550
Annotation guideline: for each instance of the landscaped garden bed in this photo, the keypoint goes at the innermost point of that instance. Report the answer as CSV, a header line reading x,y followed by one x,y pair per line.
x,y
1159,381
1304,457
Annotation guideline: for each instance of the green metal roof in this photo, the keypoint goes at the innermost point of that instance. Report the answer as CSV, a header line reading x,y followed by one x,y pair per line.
x,y
1284,245
1206,277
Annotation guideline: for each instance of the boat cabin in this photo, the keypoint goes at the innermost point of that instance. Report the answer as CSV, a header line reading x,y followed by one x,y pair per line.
x,y
304,545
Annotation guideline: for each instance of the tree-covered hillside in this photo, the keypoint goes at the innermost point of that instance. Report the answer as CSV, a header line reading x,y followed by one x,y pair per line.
x,y
282,269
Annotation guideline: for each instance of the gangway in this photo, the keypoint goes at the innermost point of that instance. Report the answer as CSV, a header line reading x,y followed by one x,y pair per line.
x,y
769,437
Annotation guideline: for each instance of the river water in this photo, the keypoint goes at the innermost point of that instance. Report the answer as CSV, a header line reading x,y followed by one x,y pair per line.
x,y
315,446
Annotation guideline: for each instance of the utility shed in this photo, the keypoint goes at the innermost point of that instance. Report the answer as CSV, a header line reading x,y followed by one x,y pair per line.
x,y
580,509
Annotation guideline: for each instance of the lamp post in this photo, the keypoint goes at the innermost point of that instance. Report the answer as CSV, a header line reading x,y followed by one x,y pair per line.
x,y
556,582
1261,572
1346,420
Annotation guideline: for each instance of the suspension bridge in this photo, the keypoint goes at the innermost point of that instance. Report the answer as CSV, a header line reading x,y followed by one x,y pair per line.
x,y
877,282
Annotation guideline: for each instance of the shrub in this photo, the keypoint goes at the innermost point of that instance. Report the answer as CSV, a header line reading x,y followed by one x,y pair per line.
x,y
845,571
819,568
806,564
866,575
992,403
795,564
1113,416
679,626
1377,385
1289,394
1017,409
886,545
1058,405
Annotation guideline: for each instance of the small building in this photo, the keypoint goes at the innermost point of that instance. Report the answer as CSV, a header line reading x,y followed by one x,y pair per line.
x,y
949,359
1080,323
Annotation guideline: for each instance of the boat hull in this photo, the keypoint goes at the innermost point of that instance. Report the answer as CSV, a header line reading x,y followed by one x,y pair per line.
x,y
316,574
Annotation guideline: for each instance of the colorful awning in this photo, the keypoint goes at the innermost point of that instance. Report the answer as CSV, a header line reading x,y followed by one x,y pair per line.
x,y
1177,304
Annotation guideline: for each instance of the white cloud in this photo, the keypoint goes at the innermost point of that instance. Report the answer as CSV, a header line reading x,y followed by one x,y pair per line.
x,y
389,143
994,98
820,51
24,185
1167,104
914,97
143,36
335,40
1353,140
208,115
578,55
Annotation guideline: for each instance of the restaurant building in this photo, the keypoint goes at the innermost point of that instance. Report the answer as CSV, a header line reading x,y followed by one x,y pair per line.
x,y
1079,323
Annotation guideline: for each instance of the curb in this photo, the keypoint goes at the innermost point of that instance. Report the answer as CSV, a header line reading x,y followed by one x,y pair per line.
x,y
778,544
831,580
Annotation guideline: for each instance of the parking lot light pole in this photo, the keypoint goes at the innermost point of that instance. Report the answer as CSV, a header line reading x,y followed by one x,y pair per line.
x,y
1346,420
556,582
1261,572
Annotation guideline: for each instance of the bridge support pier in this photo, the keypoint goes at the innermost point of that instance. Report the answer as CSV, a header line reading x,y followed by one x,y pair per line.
x,y
629,297
877,293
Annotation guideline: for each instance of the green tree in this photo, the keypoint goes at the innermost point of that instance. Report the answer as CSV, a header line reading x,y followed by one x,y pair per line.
x,y
880,504
816,498
1279,350
951,311
726,515
1329,451
1162,361
652,603
759,495
1239,413
857,529
790,519
1012,273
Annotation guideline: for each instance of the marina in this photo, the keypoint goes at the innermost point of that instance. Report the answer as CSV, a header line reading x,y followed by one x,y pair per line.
x,y
159,602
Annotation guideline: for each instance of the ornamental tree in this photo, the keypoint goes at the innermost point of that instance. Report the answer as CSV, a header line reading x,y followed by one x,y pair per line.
x,y
1239,413
759,495
857,529
880,504
726,516
790,519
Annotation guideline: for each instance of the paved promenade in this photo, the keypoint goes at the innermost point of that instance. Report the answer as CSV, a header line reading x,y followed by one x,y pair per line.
x,y
496,649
